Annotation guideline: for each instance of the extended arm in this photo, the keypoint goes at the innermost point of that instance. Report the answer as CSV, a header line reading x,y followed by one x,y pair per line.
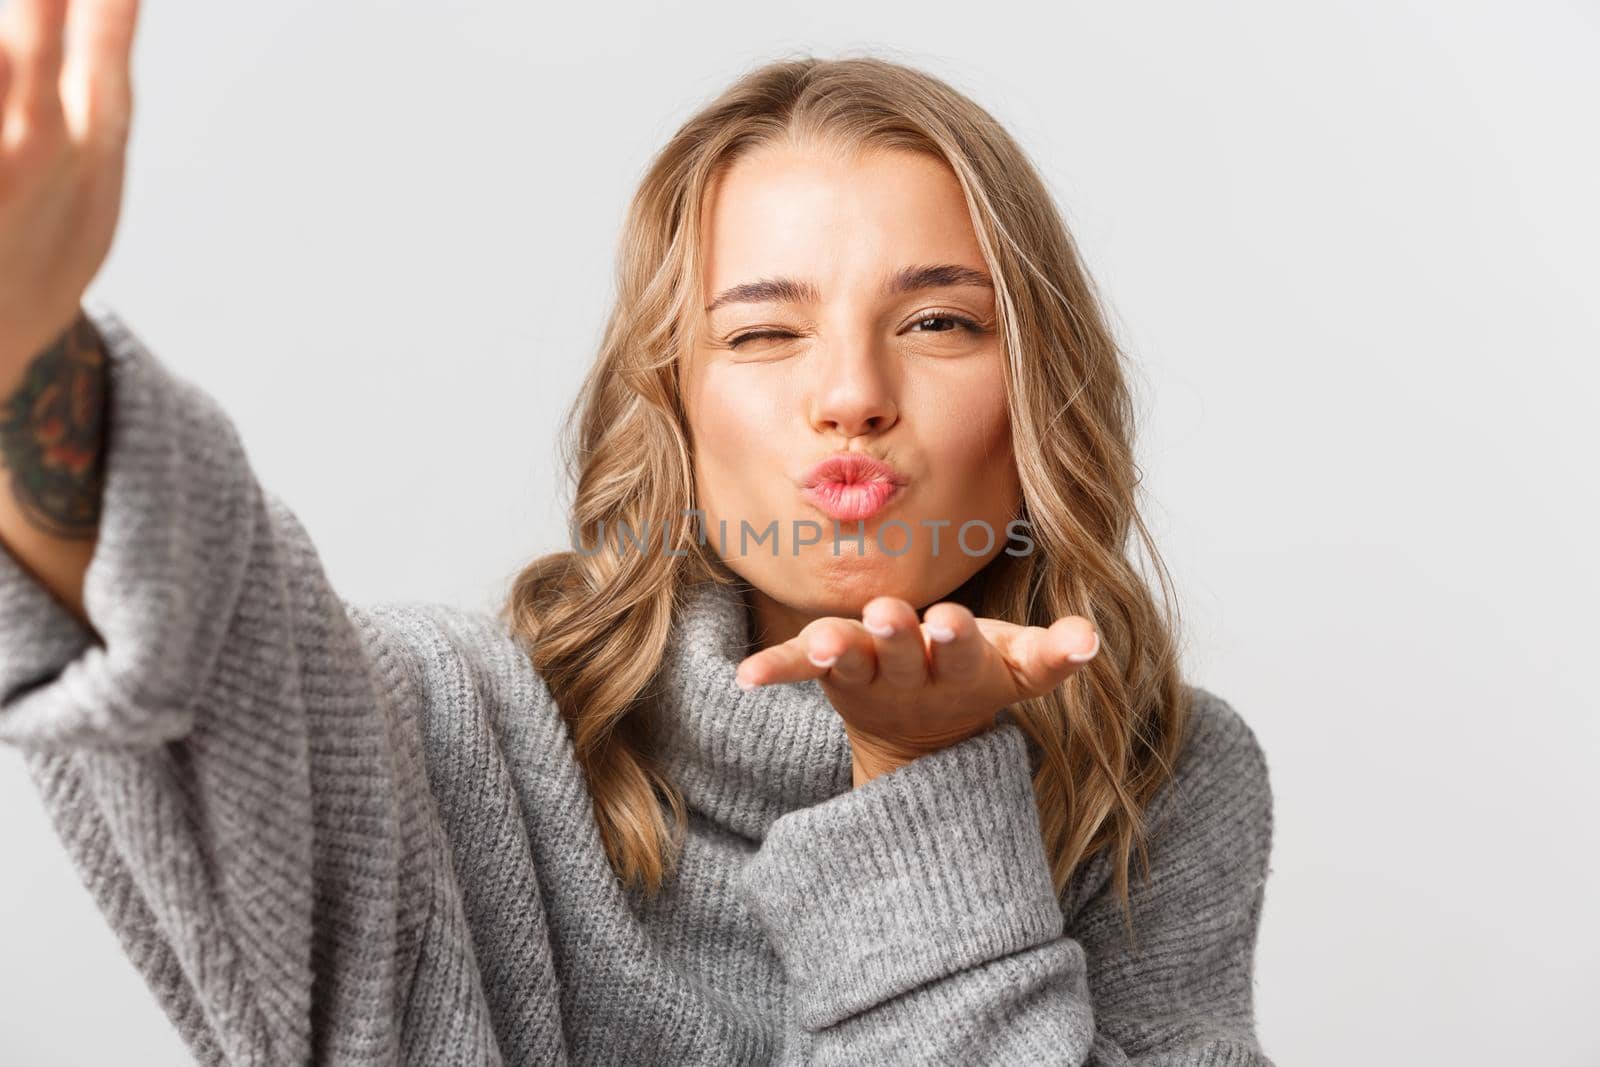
x,y
52,438
228,760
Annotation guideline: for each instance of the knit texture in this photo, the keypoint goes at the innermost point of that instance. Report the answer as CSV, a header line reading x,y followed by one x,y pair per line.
x,y
344,834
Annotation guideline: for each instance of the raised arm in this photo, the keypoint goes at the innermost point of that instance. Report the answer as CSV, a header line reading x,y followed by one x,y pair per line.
x,y
52,435
63,146
229,752
917,923
234,764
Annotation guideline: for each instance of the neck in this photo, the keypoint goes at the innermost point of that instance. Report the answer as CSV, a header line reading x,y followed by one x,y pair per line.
x,y
774,621
741,758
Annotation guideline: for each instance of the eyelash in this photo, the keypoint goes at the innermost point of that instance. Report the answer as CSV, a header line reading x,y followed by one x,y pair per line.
x,y
971,326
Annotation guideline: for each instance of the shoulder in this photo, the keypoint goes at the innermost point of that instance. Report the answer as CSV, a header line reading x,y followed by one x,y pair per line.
x,y
1220,746
1208,828
451,657
1220,795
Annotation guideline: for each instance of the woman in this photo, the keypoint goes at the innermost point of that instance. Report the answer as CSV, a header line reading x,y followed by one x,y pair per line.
x,y
759,770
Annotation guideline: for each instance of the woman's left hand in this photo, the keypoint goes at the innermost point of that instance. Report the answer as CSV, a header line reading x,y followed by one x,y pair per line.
x,y
905,689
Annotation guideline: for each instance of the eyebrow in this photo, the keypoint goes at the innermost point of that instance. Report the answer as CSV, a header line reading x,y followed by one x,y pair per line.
x,y
907,280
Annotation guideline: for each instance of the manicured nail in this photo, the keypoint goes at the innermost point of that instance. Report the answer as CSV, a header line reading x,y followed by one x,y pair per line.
x,y
830,661
744,684
1087,654
941,633
879,631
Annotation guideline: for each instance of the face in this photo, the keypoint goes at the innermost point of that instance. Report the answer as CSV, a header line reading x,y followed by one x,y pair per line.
x,y
849,346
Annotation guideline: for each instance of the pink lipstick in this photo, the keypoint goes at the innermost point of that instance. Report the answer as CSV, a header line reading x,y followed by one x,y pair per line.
x,y
852,485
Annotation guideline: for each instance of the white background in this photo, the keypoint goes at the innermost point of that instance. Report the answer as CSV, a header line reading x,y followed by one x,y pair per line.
x,y
1351,248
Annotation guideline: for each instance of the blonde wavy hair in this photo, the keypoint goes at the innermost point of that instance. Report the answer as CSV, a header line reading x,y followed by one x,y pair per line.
x,y
596,625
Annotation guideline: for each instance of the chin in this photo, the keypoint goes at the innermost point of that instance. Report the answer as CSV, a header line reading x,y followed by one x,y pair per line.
x,y
821,583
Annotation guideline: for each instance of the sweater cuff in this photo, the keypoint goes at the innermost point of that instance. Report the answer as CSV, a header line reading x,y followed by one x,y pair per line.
x,y
917,874
174,538
34,653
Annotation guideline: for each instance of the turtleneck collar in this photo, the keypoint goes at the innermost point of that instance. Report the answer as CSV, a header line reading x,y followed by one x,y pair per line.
x,y
741,759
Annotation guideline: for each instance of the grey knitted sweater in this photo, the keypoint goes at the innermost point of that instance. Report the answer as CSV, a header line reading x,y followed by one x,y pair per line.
x,y
341,834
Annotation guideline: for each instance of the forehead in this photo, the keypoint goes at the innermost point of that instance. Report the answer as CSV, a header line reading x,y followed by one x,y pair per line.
x,y
816,214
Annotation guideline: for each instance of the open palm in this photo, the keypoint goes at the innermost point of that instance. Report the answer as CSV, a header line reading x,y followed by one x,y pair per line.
x,y
905,688
66,107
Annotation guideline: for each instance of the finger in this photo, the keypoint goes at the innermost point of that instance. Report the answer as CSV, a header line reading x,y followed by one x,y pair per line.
x,y
775,666
795,660
901,653
35,34
97,87
1044,658
842,649
955,643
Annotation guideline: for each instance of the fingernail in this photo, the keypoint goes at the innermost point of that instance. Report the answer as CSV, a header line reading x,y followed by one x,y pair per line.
x,y
744,684
1088,653
941,633
830,661
879,631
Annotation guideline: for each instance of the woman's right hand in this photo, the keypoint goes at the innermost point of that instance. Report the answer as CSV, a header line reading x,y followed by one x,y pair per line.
x,y
66,106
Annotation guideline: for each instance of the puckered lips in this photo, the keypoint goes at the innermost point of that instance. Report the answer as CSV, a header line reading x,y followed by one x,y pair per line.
x,y
849,486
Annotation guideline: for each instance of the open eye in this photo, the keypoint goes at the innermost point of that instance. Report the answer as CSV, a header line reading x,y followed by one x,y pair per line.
x,y
951,320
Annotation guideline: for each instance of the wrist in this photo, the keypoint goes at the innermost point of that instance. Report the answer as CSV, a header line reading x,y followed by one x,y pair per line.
x,y
871,757
19,350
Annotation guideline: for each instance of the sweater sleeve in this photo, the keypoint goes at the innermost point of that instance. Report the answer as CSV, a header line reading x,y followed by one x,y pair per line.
x,y
917,922
231,771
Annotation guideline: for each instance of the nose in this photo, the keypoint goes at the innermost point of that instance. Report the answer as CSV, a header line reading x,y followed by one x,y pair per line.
x,y
853,393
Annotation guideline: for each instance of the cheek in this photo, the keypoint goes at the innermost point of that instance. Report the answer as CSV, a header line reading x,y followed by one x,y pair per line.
x,y
971,438
732,427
